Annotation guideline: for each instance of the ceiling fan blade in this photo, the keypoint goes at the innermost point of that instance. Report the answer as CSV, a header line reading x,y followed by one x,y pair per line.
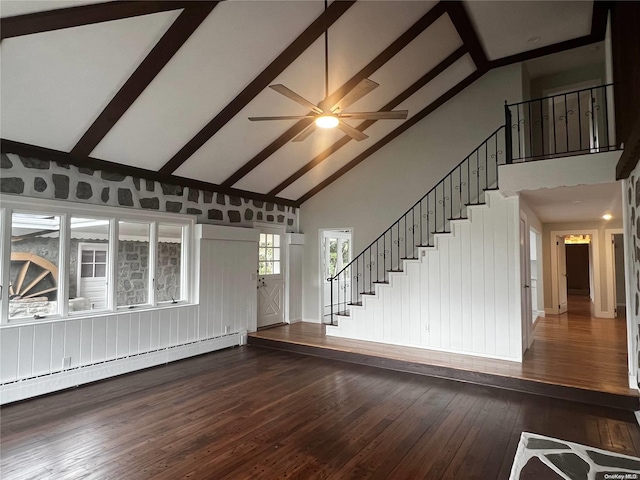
x,y
284,117
395,115
287,92
359,91
352,132
305,133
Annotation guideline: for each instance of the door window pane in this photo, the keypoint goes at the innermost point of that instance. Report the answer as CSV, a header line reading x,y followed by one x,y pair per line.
x,y
169,263
35,253
88,282
133,264
269,254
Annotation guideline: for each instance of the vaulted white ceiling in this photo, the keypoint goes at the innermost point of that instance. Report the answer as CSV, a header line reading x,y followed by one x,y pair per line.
x,y
67,84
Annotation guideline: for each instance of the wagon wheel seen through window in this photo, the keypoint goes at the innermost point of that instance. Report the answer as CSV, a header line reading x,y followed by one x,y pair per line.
x,y
34,276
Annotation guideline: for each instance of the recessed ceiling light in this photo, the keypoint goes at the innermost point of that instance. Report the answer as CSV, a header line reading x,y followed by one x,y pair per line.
x,y
607,216
575,202
534,40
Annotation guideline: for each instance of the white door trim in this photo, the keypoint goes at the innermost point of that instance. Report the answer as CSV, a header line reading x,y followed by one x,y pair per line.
x,y
610,270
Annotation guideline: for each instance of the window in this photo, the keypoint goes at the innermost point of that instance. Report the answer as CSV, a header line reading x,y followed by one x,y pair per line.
x,y
34,261
336,252
88,264
133,263
65,260
169,263
269,254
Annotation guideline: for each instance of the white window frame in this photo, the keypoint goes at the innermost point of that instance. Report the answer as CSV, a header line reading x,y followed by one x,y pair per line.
x,y
10,204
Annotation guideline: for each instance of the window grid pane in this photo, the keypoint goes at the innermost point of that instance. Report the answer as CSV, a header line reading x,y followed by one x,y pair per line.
x,y
133,264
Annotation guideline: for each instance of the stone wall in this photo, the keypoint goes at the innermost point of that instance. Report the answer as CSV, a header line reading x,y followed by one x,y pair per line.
x,y
632,259
31,177
133,272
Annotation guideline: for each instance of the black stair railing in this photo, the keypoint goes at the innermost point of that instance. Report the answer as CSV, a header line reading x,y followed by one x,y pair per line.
x,y
566,124
448,200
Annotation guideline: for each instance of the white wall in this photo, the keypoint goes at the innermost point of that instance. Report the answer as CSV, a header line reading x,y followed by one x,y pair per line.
x,y
107,345
590,169
375,193
461,296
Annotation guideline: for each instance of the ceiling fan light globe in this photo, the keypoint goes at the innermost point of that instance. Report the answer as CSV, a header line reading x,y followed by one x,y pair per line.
x,y
327,121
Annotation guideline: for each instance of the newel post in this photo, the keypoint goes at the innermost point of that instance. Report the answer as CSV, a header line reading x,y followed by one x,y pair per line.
x,y
507,134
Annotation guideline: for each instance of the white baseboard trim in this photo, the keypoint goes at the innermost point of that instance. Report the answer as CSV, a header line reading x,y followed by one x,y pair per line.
x,y
551,311
33,387
633,382
541,313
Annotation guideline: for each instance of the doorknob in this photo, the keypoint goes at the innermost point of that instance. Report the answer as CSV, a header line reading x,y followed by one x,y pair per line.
x,y
526,286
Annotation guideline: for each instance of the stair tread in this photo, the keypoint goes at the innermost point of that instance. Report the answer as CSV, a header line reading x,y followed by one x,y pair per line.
x,y
395,271
470,204
355,304
440,233
382,283
409,258
368,293
457,218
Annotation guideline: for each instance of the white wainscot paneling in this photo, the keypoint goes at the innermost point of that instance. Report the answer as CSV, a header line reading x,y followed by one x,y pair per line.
x,y
117,343
460,296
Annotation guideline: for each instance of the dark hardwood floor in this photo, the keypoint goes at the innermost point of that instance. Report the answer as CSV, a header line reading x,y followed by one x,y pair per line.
x,y
250,412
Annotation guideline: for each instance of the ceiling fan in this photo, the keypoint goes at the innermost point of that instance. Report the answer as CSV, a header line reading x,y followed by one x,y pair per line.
x,y
326,115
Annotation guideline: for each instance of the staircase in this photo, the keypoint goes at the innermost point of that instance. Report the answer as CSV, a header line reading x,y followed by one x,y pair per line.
x,y
446,274
462,189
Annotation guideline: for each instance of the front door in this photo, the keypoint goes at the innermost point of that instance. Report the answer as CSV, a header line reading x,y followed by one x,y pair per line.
x,y
562,275
271,264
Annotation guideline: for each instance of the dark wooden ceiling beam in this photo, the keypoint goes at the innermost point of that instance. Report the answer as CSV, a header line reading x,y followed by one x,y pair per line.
x,y
401,129
293,51
179,32
401,42
631,153
33,151
84,15
467,33
417,85
470,38
598,31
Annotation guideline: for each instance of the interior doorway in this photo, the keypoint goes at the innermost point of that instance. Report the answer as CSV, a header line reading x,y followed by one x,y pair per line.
x,y
335,254
576,271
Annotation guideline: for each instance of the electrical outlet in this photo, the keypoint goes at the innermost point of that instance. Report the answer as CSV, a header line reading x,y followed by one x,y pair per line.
x,y
66,363
227,329
426,328
423,253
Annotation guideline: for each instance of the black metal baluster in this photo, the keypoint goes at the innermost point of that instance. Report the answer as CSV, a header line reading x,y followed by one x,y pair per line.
x,y
579,121
566,122
518,130
530,128
555,140
606,117
542,127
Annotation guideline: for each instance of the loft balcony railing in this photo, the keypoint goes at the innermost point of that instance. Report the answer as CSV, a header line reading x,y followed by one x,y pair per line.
x,y
448,200
571,123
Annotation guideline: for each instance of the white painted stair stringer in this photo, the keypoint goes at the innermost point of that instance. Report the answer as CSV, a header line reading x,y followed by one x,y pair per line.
x,y
462,295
